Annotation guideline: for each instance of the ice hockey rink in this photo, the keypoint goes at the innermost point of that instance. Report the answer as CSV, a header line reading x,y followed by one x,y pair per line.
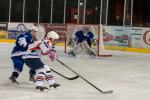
x,y
126,73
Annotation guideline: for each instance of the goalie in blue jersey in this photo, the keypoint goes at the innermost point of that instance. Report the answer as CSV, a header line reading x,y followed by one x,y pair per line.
x,y
82,40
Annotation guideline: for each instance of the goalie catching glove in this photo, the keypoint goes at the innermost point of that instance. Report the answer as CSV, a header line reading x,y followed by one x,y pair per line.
x,y
94,42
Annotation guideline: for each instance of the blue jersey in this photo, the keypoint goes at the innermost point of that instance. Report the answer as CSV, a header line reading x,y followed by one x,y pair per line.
x,y
22,42
89,36
80,36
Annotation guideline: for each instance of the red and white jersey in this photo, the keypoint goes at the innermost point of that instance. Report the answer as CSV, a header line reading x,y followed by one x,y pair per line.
x,y
38,48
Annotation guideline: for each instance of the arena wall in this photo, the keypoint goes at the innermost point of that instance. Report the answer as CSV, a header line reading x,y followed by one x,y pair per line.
x,y
136,39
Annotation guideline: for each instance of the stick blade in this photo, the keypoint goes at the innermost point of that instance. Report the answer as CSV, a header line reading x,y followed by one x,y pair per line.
x,y
107,92
73,78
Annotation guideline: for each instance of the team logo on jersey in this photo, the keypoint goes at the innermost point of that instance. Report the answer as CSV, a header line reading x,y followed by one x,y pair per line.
x,y
26,36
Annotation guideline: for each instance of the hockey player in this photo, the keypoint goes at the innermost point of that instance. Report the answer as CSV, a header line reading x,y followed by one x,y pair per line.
x,y
33,61
21,45
82,41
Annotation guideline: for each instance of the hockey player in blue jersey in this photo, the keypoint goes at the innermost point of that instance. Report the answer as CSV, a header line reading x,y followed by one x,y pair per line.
x,y
21,45
82,41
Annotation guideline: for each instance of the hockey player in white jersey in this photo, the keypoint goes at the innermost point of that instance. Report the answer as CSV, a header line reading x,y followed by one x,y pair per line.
x,y
33,61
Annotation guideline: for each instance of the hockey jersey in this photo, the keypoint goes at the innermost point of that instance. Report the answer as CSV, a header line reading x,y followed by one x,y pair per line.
x,y
22,43
38,48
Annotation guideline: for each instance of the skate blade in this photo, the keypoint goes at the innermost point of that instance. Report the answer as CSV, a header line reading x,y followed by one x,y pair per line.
x,y
13,83
38,90
107,92
51,88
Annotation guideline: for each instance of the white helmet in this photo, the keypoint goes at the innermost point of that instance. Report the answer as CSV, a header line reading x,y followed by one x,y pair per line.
x,y
32,28
53,35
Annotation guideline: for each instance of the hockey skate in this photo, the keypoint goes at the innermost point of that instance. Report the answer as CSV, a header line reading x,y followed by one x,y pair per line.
x,y
91,52
70,52
13,80
74,53
55,85
41,88
31,78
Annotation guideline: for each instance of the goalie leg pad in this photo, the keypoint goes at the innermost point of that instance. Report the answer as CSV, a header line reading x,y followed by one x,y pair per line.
x,y
71,43
76,49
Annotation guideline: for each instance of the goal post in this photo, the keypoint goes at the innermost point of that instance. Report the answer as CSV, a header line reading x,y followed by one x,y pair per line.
x,y
102,52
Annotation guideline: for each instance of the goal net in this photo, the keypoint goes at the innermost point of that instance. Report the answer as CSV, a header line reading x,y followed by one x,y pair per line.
x,y
98,36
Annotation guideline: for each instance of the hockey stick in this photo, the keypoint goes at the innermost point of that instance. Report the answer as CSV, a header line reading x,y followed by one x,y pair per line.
x,y
71,78
103,92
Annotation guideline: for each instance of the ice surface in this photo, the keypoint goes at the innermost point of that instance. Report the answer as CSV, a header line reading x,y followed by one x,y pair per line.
x,y
128,74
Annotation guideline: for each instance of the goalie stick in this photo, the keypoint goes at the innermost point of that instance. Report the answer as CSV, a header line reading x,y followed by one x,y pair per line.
x,y
102,91
68,78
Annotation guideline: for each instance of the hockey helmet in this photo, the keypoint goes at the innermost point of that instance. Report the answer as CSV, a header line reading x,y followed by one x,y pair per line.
x,y
52,35
85,30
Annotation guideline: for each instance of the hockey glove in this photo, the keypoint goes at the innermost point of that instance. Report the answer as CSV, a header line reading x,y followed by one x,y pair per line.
x,y
94,42
52,54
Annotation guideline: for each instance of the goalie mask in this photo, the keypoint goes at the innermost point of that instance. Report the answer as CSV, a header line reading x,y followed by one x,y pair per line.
x,y
85,30
52,35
